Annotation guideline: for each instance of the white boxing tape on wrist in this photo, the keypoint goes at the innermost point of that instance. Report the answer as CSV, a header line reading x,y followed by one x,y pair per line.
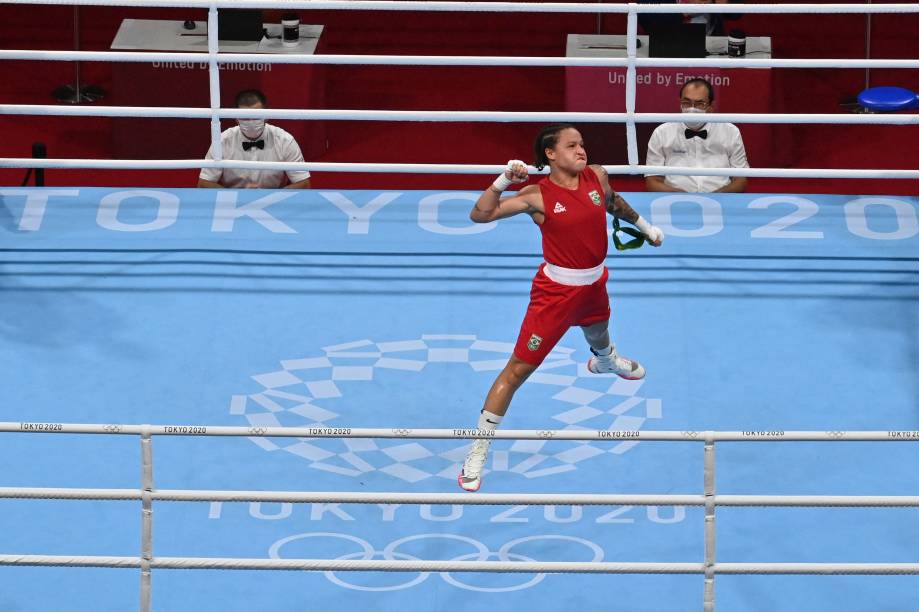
x,y
653,233
643,226
502,182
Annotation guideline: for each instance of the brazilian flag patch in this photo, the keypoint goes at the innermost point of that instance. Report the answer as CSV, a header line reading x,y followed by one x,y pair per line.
x,y
595,197
534,342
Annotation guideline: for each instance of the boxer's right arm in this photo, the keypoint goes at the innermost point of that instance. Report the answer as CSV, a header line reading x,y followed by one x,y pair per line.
x,y
490,207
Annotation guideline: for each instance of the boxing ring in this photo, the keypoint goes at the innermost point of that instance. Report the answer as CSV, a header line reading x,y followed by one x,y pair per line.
x,y
307,366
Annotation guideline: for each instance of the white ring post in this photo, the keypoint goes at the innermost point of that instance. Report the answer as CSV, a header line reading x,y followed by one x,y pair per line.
x,y
213,46
146,531
631,137
709,484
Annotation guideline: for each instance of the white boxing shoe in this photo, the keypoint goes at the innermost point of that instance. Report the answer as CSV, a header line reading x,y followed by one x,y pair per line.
x,y
470,478
628,369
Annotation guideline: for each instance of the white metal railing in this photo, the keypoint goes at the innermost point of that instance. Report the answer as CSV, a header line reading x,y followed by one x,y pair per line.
x,y
631,63
709,500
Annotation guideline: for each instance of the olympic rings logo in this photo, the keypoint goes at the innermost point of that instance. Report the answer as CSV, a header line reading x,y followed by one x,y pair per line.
x,y
111,428
548,433
401,432
480,552
836,435
258,431
691,434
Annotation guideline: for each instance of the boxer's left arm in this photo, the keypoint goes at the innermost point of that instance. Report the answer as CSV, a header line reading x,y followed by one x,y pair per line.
x,y
619,208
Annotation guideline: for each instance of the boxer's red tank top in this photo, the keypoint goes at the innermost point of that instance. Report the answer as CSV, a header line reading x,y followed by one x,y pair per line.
x,y
574,226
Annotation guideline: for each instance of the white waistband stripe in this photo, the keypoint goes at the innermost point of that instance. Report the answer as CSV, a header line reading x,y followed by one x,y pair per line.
x,y
573,277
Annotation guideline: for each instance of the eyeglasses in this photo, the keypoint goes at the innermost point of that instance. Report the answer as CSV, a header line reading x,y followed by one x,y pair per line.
x,y
701,105
637,240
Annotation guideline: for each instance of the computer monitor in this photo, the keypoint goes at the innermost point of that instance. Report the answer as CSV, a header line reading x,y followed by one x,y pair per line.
x,y
240,24
677,40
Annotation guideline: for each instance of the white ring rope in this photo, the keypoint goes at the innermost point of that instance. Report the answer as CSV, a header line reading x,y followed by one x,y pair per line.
x,y
461,499
449,116
450,60
393,565
374,167
383,565
464,434
493,7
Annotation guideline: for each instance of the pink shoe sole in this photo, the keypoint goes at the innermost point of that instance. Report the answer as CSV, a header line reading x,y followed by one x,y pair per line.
x,y
459,480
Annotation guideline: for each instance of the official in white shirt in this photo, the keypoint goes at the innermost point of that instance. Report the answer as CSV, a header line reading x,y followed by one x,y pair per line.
x,y
696,144
255,140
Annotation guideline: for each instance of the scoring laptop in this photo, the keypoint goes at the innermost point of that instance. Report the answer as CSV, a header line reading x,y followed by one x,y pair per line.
x,y
240,24
677,40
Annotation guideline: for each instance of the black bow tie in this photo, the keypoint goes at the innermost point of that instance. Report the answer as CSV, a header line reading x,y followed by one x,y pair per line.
x,y
703,134
260,144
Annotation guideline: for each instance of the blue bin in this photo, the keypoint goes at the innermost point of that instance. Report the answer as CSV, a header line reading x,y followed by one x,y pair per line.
x,y
888,99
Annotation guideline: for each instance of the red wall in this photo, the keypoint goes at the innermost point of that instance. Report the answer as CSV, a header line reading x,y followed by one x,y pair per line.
x,y
470,88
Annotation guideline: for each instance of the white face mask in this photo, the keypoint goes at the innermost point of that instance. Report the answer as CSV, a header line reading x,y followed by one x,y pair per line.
x,y
695,125
251,128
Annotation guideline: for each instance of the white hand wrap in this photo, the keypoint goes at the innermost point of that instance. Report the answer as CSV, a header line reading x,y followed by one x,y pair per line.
x,y
653,233
502,182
